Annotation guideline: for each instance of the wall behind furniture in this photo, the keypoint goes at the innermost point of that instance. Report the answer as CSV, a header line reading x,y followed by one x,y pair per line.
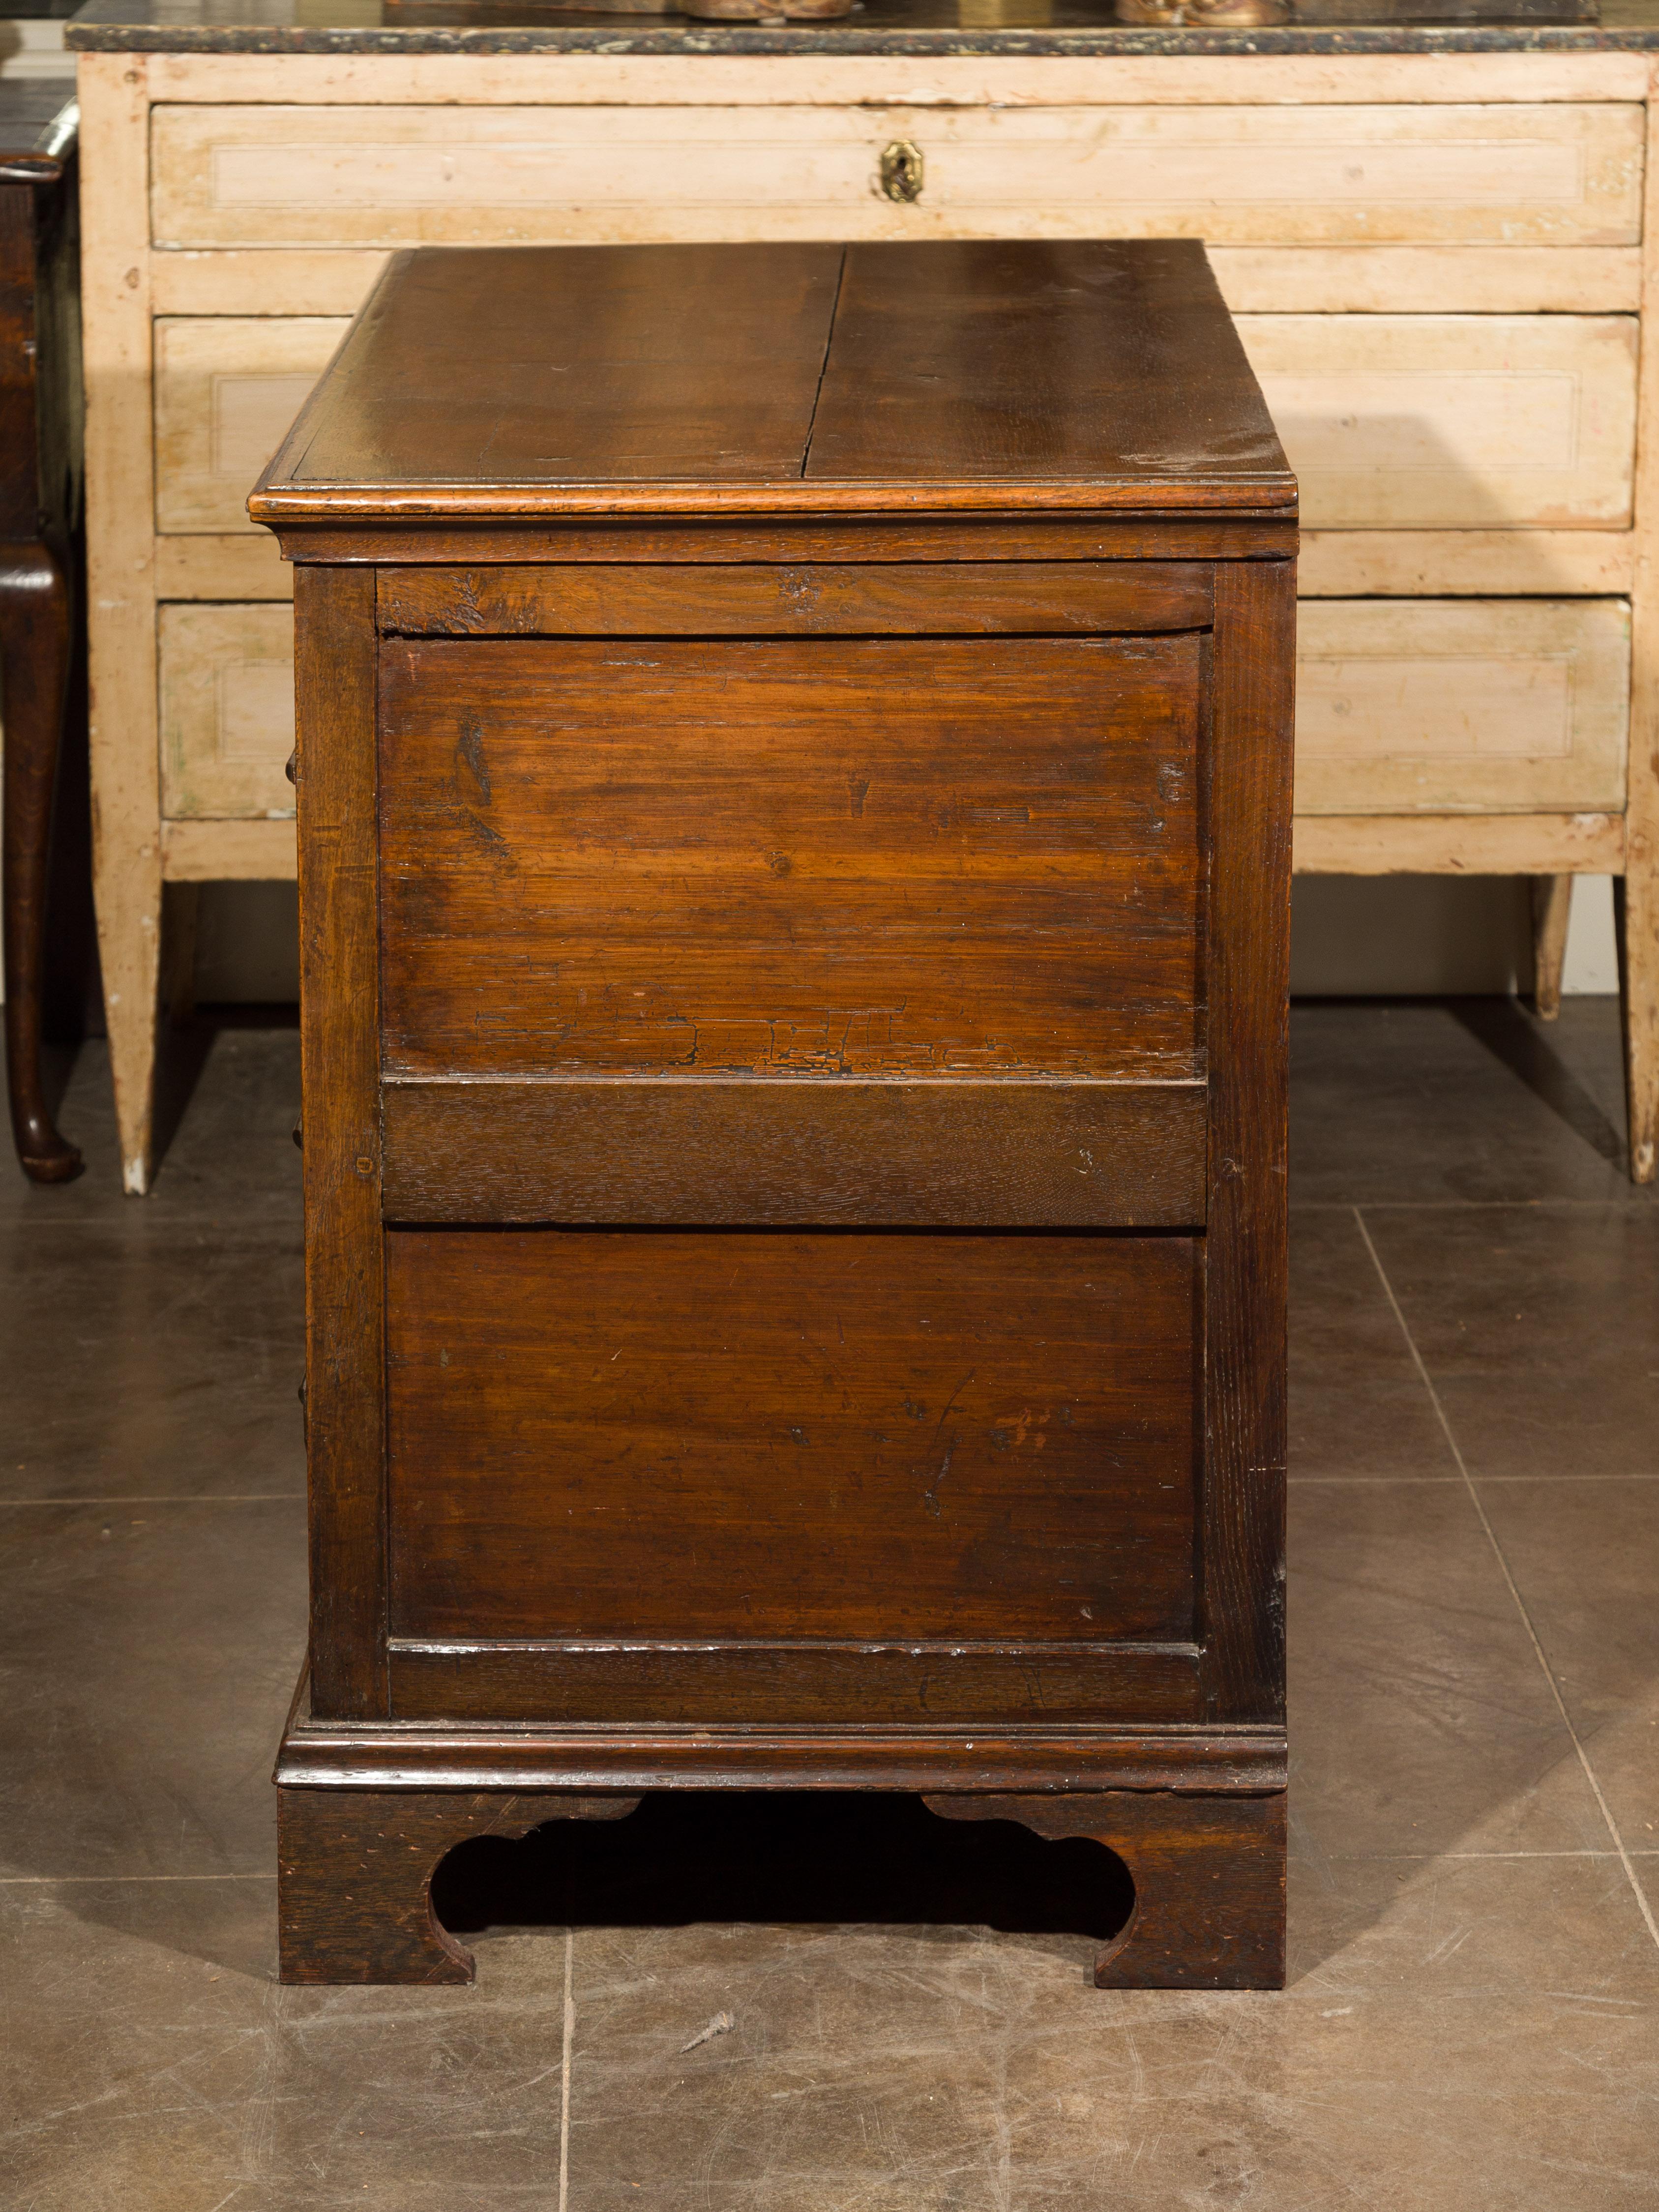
x,y
1421,936
1363,935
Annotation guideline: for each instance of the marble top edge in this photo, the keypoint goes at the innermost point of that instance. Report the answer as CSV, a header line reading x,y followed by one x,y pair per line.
x,y
39,124
693,39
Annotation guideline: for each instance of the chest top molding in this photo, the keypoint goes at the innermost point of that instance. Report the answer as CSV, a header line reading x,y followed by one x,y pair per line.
x,y
553,382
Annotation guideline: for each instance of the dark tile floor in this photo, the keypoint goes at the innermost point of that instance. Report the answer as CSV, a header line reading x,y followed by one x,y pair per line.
x,y
1472,2018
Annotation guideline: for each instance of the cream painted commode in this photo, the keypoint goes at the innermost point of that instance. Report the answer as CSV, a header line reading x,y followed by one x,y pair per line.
x,y
1438,260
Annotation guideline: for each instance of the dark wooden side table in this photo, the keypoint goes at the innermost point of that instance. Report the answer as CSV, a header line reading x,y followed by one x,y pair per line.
x,y
39,503
794,774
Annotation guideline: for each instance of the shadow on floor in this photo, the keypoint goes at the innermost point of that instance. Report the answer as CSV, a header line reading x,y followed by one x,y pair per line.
x,y
1515,1039
182,1054
794,1857
183,1051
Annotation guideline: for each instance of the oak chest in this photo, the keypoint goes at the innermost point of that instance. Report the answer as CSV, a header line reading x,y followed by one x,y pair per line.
x,y
794,772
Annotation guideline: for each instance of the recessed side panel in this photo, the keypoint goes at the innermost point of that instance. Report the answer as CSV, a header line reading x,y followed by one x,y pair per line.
x,y
755,1436
869,856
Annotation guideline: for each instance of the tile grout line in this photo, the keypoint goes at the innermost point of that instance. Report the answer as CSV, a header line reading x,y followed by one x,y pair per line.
x,y
1442,1481
1368,1858
1466,1204
180,1498
60,1880
564,2069
1624,1860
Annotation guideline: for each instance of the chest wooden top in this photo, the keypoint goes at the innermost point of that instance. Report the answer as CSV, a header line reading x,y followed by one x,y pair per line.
x,y
550,381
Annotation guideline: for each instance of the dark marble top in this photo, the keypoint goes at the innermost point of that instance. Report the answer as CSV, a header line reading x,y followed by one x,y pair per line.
x,y
879,27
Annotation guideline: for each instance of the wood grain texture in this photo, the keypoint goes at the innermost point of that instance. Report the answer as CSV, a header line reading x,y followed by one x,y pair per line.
x,y
720,536
827,856
755,1683
696,364
971,361
1209,1877
524,381
961,597
355,1868
334,695
1247,956
832,1435
895,1154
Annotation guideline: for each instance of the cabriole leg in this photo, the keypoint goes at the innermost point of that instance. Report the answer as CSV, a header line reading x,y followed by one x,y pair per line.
x,y
35,652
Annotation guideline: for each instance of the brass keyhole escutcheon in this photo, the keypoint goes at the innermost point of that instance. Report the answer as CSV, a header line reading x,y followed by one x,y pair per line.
x,y
901,171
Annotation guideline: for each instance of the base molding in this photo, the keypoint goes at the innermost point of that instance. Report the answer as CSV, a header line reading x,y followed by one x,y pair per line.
x,y
529,1756
368,1809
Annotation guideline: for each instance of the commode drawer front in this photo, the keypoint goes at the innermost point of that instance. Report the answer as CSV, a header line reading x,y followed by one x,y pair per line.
x,y
1468,422
227,389
1512,174
974,856
226,711
1437,707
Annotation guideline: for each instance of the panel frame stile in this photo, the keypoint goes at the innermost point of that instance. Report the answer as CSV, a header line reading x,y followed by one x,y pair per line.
x,y
1242,1507
337,770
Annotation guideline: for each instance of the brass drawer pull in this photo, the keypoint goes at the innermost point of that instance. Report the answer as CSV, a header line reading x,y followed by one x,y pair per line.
x,y
903,170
